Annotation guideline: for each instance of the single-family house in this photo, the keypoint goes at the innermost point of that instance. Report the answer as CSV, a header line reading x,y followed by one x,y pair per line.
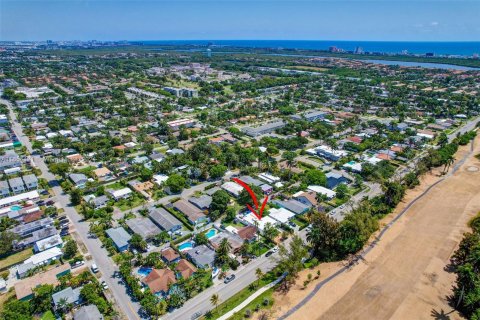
x,y
159,280
67,296
16,184
4,188
307,198
282,215
78,179
202,202
123,193
169,255
103,174
193,214
88,312
144,227
164,219
185,269
31,181
334,179
248,233
293,205
202,256
99,202
24,288
120,238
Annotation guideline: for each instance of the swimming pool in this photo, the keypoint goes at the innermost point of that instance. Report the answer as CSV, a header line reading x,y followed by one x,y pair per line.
x,y
185,246
144,271
15,208
211,233
351,163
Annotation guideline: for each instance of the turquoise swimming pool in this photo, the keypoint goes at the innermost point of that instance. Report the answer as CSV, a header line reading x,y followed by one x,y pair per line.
x,y
144,271
15,208
185,246
211,233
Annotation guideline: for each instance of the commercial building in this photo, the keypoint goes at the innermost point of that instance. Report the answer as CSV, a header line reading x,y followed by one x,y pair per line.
x,y
263,129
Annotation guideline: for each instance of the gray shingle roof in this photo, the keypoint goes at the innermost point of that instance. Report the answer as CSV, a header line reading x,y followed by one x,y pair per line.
x,y
119,236
164,219
143,226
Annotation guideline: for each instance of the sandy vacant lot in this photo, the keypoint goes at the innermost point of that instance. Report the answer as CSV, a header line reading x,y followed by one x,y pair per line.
x,y
403,277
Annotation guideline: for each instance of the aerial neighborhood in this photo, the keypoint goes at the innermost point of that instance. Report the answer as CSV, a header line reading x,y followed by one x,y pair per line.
x,y
118,171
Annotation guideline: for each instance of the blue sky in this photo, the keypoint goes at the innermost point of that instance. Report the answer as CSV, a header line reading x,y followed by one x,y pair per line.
x,y
424,20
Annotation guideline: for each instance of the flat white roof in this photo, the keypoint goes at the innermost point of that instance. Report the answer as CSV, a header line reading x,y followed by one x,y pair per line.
x,y
250,218
46,255
232,187
322,190
282,215
160,178
121,192
19,197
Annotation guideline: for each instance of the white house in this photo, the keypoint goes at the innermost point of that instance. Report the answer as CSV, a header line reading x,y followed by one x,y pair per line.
x,y
322,190
120,194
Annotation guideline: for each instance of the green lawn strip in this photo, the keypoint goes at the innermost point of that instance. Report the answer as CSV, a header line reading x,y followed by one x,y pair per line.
x,y
15,258
240,296
257,302
48,316
132,202
180,217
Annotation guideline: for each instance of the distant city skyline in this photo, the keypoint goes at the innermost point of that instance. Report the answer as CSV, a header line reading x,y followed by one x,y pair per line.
x,y
379,20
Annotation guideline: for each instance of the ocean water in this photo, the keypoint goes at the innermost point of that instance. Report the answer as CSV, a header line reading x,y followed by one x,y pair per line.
x,y
438,48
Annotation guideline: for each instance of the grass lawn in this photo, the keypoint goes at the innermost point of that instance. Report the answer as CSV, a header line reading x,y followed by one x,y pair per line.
x,y
48,316
258,301
15,258
302,224
132,202
240,296
114,186
259,248
5,297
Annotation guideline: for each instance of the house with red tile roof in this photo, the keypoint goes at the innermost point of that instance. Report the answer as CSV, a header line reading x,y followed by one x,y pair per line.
x,y
185,269
159,280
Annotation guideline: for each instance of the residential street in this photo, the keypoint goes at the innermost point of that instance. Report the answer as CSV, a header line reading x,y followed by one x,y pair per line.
x,y
245,275
94,246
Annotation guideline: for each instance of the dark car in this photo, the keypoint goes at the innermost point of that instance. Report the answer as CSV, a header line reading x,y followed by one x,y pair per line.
x,y
269,253
229,278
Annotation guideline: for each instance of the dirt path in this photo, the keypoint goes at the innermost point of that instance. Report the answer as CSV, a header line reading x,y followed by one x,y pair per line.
x,y
403,277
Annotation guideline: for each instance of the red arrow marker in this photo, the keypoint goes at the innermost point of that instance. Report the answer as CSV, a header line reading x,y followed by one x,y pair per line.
x,y
254,198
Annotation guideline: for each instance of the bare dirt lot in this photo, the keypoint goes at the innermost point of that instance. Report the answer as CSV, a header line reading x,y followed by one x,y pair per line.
x,y
403,277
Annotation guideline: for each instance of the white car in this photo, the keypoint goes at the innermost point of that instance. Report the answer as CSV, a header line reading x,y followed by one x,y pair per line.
x,y
104,285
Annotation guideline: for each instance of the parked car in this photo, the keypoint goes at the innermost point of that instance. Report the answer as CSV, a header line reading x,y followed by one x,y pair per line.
x,y
104,285
78,264
269,253
229,278
94,268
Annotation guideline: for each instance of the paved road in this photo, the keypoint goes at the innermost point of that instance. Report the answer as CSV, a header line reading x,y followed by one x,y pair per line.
x,y
94,246
245,275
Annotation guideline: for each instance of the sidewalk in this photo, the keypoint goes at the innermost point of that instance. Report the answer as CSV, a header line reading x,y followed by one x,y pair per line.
x,y
250,299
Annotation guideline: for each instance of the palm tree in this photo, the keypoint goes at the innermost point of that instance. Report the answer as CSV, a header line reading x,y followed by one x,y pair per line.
x,y
63,304
450,160
259,274
215,300
289,156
